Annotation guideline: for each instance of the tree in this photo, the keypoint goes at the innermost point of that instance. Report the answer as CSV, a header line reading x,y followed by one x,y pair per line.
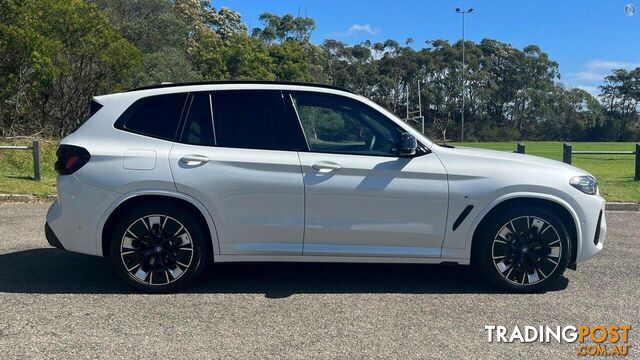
x,y
287,40
209,33
621,96
56,54
570,115
284,28
159,33
50,67
244,58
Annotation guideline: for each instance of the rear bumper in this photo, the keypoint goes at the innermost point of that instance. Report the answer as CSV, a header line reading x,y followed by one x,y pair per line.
x,y
52,239
73,218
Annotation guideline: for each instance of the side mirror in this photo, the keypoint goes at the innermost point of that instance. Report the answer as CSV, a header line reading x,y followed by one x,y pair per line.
x,y
408,145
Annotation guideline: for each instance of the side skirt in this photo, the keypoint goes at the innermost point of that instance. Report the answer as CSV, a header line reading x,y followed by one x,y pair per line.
x,y
338,259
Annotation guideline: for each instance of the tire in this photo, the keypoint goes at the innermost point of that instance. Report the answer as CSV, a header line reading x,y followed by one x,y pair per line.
x,y
158,247
523,249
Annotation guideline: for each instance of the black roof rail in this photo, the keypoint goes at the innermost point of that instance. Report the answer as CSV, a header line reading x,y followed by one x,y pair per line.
x,y
268,82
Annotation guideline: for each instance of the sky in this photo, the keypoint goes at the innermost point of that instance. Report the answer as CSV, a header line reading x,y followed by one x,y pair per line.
x,y
587,38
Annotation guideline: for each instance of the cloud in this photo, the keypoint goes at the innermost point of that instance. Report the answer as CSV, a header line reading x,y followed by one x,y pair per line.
x,y
610,64
596,70
593,73
357,29
593,90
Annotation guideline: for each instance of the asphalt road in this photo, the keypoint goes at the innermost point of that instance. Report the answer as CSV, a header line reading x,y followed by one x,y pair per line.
x,y
55,304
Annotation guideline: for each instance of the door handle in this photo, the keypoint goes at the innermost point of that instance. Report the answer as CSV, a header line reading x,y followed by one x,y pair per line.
x,y
325,167
194,160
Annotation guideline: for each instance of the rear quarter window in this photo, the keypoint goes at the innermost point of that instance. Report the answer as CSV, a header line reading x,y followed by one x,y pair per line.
x,y
94,107
156,116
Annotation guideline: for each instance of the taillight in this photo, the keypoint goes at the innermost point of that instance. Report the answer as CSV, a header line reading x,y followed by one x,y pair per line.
x,y
71,158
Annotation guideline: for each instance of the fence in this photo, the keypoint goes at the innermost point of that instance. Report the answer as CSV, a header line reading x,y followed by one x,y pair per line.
x,y
567,153
35,150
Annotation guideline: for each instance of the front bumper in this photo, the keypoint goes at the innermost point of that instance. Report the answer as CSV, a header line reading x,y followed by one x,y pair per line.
x,y
593,225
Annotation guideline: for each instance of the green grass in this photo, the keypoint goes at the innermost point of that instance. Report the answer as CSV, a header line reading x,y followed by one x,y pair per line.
x,y
614,172
16,169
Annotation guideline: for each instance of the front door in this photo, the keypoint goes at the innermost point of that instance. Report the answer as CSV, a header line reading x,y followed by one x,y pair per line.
x,y
238,155
361,198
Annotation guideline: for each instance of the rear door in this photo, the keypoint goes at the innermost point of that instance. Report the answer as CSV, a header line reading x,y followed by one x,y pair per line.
x,y
238,156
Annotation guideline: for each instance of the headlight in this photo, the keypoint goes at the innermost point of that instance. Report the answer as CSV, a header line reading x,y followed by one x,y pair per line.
x,y
586,184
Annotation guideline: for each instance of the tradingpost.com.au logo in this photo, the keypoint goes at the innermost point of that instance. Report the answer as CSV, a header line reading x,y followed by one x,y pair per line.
x,y
602,340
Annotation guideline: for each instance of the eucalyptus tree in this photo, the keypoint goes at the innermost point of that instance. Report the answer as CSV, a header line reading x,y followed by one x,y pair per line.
x,y
55,56
159,33
621,96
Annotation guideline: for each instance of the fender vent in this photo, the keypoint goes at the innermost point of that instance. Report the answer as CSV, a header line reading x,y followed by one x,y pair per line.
x,y
462,216
596,239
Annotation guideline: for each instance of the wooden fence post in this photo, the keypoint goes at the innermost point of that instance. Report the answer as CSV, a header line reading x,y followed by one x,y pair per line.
x,y
637,178
36,159
520,148
566,153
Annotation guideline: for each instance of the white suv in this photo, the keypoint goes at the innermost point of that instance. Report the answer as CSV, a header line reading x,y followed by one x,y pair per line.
x,y
166,179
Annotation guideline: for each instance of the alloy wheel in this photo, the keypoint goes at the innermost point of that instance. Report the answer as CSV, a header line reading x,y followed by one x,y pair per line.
x,y
156,250
526,250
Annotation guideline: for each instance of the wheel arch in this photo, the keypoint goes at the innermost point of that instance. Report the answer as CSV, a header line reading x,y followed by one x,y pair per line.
x,y
562,209
131,200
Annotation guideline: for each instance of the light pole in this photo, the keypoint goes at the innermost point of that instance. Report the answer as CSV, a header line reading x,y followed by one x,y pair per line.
x,y
463,12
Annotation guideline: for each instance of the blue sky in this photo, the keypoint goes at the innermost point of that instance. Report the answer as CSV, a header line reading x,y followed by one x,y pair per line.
x,y
587,38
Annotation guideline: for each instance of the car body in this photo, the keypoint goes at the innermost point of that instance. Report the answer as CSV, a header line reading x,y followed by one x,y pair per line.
x,y
316,177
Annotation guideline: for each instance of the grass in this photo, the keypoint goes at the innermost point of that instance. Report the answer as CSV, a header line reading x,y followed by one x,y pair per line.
x,y
16,169
614,172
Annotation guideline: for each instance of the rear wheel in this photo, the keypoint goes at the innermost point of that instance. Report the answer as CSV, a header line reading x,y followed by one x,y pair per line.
x,y
158,248
524,249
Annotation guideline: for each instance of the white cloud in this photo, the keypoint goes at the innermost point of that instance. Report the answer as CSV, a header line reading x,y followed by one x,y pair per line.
x,y
593,73
357,29
593,90
596,70
610,64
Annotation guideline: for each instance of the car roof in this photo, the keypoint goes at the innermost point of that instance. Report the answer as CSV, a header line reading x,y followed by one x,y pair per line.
x,y
233,82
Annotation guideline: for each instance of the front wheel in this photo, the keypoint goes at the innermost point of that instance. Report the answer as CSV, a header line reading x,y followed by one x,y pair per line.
x,y
523,249
158,248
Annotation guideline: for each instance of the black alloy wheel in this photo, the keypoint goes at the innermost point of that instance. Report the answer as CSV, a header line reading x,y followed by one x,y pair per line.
x,y
159,247
523,249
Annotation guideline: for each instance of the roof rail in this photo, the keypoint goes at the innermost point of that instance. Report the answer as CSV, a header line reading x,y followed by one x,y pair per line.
x,y
166,85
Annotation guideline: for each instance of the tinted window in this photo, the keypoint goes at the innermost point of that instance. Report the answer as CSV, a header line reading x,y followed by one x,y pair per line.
x,y
94,107
198,128
156,116
341,125
255,120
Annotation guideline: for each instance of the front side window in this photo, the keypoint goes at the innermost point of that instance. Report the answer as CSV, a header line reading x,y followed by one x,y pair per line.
x,y
155,116
337,124
254,119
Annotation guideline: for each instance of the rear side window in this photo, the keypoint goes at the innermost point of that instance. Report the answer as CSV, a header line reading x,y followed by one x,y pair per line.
x,y
155,116
255,119
198,128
